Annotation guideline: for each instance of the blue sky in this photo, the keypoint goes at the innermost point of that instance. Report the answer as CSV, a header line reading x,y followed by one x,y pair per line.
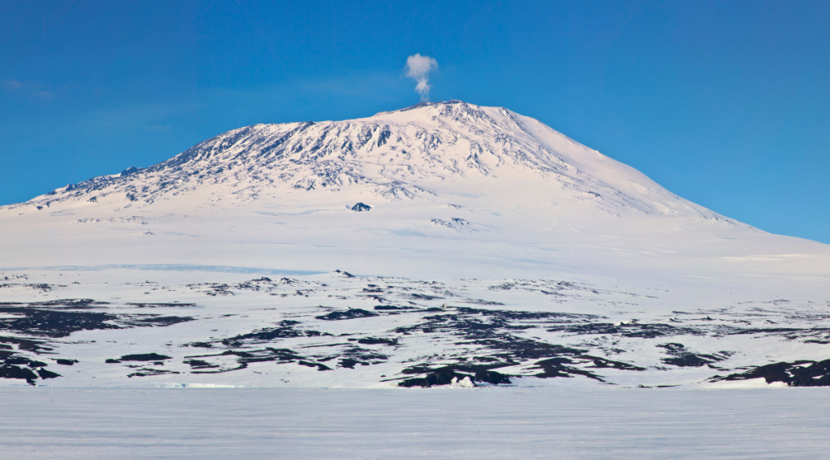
x,y
724,103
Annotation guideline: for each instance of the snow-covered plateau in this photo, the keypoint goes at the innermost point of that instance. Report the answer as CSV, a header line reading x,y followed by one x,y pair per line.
x,y
445,244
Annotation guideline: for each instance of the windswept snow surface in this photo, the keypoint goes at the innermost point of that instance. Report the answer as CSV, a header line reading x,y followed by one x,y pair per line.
x,y
475,424
489,247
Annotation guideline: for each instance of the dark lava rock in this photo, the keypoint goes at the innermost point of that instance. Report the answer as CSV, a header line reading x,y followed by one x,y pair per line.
x,y
199,364
445,375
23,361
148,372
417,296
145,357
243,358
361,207
44,374
687,360
795,374
162,305
558,367
319,366
15,372
602,363
440,377
54,323
59,318
636,330
159,321
522,315
25,344
74,304
347,314
682,357
284,331
377,341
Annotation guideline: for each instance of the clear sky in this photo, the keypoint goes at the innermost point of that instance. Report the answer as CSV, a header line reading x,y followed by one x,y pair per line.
x,y
724,103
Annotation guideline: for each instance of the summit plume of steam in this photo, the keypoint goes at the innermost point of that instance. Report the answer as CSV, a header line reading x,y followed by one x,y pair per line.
x,y
418,68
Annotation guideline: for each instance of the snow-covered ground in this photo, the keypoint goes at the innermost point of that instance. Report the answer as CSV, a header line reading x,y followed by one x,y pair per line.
x,y
488,248
191,327
491,423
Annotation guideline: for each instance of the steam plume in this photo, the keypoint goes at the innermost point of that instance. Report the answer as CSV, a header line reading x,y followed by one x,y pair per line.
x,y
418,68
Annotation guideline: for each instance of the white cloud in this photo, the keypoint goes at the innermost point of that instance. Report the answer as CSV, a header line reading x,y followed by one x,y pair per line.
x,y
418,68
34,89
12,84
43,94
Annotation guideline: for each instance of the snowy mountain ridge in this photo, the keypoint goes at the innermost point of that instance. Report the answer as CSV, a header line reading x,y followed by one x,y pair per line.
x,y
397,155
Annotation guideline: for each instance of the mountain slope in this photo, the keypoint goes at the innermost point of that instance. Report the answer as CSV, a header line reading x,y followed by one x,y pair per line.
x,y
452,188
396,154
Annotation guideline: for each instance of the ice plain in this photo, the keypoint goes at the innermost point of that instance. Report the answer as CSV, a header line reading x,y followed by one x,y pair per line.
x,y
488,423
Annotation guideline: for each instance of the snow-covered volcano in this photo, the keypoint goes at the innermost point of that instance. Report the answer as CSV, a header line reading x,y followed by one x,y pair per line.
x,y
454,189
411,153
491,247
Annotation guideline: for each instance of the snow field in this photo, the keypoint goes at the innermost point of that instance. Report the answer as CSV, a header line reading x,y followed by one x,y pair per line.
x,y
518,423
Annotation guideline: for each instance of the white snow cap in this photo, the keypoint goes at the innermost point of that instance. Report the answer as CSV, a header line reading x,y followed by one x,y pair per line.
x,y
418,68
